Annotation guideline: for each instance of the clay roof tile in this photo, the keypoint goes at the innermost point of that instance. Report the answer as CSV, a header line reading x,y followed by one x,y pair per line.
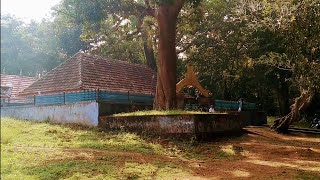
x,y
84,71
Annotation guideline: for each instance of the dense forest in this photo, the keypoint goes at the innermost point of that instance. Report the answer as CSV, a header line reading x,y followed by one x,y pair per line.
x,y
267,52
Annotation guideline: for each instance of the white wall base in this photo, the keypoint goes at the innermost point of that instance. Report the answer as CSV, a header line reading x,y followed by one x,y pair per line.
x,y
84,113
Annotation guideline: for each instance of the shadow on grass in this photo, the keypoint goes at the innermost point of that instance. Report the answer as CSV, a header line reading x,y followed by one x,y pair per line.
x,y
207,148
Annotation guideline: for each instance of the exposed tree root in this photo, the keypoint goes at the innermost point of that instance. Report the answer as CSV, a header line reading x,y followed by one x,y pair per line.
x,y
282,124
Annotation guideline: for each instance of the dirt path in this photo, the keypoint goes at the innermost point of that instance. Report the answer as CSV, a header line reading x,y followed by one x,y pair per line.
x,y
263,154
268,155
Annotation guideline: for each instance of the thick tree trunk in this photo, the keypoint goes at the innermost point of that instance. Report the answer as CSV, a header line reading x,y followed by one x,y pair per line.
x,y
283,98
166,16
282,124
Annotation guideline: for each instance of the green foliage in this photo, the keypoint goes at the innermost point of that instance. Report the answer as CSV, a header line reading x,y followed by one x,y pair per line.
x,y
17,54
263,51
288,28
219,53
288,34
36,48
108,26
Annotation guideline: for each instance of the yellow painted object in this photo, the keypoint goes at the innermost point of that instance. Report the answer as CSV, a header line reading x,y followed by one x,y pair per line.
x,y
191,80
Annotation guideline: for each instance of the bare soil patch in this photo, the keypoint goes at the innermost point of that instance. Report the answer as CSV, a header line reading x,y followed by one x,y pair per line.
x,y
265,155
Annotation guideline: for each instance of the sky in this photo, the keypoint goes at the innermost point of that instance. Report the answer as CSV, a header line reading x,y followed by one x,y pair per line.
x,y
28,9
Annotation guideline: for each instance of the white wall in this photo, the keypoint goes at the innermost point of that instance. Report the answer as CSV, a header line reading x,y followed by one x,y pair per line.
x,y
85,113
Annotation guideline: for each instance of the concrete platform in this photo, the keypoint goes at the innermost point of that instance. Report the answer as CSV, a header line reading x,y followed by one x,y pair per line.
x,y
191,125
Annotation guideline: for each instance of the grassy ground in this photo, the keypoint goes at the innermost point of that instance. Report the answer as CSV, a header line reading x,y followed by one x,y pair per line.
x,y
271,119
31,150
300,124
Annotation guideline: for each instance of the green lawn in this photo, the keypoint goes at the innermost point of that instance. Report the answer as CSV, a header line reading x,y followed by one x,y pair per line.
x,y
32,150
299,124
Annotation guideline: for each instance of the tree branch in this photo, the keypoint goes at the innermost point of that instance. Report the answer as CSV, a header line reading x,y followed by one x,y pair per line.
x,y
281,68
144,11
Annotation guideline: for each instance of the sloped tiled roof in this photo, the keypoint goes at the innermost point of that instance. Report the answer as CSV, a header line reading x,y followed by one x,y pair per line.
x,y
89,72
18,83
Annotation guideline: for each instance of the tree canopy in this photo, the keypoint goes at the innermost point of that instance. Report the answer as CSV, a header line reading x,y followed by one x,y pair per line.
x,y
36,48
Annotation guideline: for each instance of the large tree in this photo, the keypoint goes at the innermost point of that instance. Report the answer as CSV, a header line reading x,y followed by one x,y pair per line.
x,y
165,13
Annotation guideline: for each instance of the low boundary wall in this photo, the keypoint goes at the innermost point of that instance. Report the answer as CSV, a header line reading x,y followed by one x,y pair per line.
x,y
198,125
84,113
